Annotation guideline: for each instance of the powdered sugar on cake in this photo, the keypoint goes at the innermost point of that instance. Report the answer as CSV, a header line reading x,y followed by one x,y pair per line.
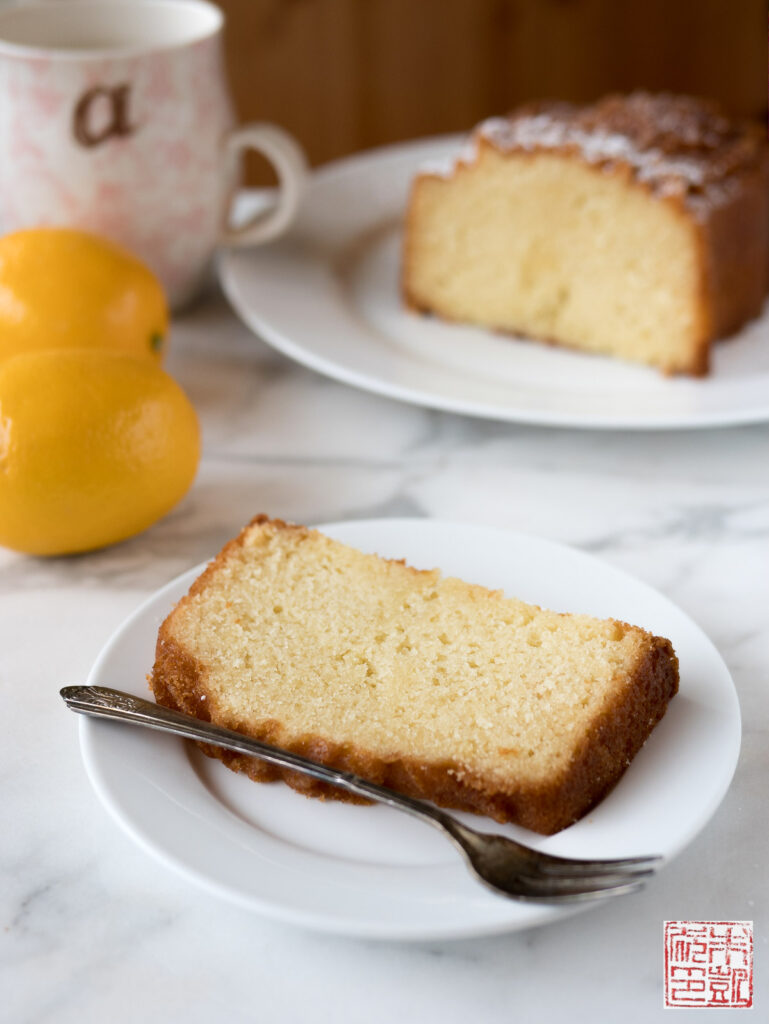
x,y
445,167
678,146
545,132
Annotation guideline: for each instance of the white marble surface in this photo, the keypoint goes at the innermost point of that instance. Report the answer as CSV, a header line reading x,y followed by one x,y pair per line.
x,y
94,930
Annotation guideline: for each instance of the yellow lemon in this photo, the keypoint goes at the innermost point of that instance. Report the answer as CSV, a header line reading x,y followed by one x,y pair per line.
x,y
95,446
61,288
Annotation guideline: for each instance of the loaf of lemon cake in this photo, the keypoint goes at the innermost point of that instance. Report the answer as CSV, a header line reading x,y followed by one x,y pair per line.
x,y
437,688
637,227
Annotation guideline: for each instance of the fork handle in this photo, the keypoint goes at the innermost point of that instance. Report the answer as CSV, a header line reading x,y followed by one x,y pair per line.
x,y
104,702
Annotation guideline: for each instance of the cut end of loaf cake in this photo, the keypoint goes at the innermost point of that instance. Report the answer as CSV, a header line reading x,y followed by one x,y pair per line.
x,y
548,247
432,686
637,227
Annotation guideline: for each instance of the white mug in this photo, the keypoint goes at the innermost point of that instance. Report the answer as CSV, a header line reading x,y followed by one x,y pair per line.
x,y
116,118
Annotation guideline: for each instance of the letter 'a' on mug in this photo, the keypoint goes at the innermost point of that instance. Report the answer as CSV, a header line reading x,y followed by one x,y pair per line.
x,y
117,119
117,99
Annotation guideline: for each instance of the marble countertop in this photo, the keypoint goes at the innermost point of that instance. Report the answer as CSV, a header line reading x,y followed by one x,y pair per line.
x,y
93,929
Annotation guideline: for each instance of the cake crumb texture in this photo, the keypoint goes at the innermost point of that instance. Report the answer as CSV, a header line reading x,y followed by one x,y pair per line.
x,y
435,687
637,227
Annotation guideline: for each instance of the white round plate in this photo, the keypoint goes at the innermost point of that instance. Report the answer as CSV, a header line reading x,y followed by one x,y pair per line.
x,y
327,295
371,871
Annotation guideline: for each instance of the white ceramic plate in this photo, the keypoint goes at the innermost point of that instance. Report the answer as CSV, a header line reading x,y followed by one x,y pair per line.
x,y
327,296
370,871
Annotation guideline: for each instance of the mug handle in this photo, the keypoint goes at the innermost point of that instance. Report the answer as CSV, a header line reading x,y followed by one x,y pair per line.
x,y
287,157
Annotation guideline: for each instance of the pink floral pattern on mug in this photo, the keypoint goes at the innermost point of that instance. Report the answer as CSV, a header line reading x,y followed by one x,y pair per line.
x,y
129,142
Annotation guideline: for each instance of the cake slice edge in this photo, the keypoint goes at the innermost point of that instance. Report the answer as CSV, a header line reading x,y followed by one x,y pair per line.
x,y
615,736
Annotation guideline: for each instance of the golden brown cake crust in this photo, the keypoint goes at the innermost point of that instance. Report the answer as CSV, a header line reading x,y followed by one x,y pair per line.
x,y
178,681
678,146
684,150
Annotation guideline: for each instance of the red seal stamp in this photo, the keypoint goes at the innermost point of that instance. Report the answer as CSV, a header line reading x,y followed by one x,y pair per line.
x,y
708,963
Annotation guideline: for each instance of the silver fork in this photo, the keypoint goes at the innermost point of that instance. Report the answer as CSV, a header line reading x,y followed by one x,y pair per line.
x,y
500,863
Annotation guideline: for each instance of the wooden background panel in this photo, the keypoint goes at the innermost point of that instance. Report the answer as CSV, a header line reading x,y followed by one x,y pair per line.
x,y
344,75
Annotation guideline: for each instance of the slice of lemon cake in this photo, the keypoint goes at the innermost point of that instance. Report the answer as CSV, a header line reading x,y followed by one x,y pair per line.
x,y
637,227
438,688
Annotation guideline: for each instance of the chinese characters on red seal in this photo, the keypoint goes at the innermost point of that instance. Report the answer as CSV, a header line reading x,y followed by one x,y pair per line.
x,y
708,963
